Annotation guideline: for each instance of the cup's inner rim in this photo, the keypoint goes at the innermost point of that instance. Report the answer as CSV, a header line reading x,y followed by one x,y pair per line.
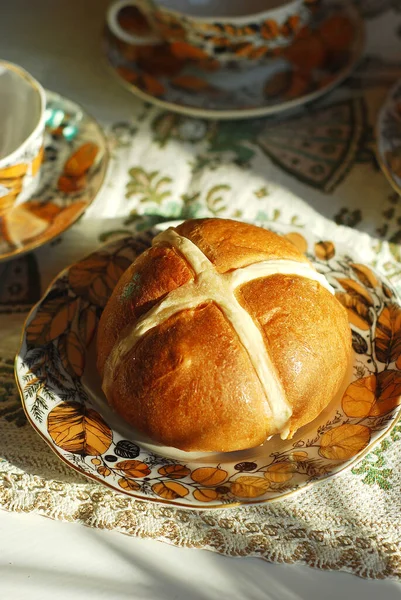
x,y
9,153
164,6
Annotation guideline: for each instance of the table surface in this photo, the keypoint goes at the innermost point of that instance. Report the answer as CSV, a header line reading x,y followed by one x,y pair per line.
x,y
58,42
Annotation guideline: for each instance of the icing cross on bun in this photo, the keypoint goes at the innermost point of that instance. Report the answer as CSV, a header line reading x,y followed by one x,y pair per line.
x,y
220,336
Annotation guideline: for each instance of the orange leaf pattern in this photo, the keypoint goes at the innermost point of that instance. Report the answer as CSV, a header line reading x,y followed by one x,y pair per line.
x,y
388,334
343,442
205,495
78,430
357,291
248,486
280,472
174,471
94,278
298,240
209,475
133,468
129,484
72,353
365,275
51,320
81,160
359,397
358,312
389,392
87,324
104,471
324,250
299,456
170,490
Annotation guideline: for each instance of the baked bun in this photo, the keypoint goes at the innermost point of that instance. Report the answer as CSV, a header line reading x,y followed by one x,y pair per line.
x,y
219,336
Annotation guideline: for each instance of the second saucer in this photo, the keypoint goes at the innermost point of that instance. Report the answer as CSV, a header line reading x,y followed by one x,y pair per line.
x,y
323,54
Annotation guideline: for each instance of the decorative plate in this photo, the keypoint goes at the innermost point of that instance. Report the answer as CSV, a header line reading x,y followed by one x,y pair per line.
x,y
321,58
389,137
72,173
61,394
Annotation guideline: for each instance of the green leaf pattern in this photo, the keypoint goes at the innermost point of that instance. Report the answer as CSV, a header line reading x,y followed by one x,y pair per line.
x,y
150,186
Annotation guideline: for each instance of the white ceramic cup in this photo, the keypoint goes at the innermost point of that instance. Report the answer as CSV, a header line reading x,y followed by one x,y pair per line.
x,y
22,126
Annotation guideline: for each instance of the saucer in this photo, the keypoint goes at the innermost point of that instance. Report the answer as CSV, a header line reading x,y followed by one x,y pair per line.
x,y
388,135
62,397
320,58
72,173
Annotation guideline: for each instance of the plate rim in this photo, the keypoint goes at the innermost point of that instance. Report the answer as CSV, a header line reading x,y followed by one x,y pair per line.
x,y
249,113
162,501
31,246
378,127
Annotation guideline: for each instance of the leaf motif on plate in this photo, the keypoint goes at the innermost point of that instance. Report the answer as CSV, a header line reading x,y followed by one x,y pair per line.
x,y
52,319
174,471
205,494
388,392
69,185
103,471
87,322
324,250
126,449
298,240
374,395
357,310
170,490
359,397
344,442
115,269
129,484
81,160
280,472
78,429
356,290
387,291
133,468
94,278
388,334
249,486
365,275
299,456
72,353
359,343
209,476
245,466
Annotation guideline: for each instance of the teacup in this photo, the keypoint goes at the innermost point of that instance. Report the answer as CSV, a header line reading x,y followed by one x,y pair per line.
x,y
22,125
228,31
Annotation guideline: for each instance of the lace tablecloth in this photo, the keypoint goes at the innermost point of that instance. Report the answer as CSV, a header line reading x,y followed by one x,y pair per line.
x,y
315,168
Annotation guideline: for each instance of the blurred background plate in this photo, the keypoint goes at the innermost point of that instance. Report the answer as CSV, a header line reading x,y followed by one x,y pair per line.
x,y
317,61
389,137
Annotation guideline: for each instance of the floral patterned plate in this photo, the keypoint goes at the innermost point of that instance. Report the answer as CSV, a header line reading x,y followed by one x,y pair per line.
x,y
61,394
389,137
72,173
179,79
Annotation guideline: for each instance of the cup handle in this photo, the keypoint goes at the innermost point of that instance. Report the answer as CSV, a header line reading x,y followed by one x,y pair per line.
x,y
151,39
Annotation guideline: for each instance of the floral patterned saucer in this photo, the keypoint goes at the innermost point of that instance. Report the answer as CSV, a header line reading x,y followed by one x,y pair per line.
x,y
179,79
389,137
60,391
72,173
